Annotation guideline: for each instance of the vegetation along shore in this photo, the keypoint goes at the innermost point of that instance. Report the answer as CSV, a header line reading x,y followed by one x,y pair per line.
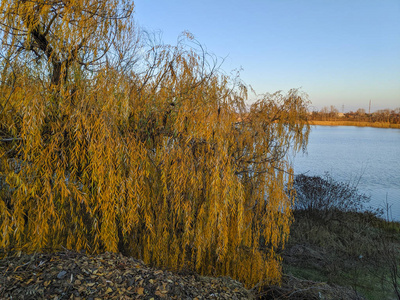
x,y
384,118
355,123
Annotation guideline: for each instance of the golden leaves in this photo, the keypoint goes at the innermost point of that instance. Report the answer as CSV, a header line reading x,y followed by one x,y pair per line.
x,y
165,164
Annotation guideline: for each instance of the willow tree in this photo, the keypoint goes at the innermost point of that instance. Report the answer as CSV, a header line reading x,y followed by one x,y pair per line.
x,y
154,154
63,34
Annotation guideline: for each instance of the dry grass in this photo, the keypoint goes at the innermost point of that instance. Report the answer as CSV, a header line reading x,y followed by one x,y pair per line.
x,y
355,123
349,249
300,289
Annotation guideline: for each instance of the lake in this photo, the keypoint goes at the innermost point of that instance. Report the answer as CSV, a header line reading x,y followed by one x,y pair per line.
x,y
371,155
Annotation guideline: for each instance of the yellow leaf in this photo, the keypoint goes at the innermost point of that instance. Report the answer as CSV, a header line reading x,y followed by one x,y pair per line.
x,y
140,291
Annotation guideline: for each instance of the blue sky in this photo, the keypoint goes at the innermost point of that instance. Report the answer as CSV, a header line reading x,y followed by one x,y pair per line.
x,y
341,53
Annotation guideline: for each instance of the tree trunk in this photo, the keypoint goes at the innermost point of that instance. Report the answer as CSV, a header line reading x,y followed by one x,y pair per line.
x,y
56,76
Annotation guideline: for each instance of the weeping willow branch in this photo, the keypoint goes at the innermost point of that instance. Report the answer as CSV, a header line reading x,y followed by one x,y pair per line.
x,y
155,155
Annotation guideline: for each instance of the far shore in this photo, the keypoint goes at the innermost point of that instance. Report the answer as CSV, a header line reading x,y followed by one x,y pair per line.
x,y
355,123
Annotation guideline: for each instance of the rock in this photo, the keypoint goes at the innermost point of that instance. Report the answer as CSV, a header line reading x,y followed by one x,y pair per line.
x,y
61,274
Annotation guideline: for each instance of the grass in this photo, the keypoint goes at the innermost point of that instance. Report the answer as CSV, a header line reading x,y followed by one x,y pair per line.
x,y
356,123
348,249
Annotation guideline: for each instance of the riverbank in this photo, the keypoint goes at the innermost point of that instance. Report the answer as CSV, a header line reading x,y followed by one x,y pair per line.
x,y
343,255
358,251
355,123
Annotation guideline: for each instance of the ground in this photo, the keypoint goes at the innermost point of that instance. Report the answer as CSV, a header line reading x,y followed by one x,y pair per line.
x,y
73,275
342,255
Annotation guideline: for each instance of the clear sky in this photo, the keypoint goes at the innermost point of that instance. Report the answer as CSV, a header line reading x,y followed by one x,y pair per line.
x,y
340,52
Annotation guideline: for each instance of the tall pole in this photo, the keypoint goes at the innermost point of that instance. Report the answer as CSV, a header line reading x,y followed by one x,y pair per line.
x,y
369,111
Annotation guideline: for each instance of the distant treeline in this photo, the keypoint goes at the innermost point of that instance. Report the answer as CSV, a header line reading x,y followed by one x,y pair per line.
x,y
381,116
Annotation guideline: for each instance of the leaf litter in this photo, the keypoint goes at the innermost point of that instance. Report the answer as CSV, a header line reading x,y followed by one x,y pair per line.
x,y
75,275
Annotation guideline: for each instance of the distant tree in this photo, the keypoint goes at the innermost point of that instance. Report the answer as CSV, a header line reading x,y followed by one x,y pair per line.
x,y
382,115
325,110
333,112
361,111
395,116
324,113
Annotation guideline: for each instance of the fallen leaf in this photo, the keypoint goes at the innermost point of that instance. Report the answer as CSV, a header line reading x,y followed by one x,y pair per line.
x,y
140,291
159,294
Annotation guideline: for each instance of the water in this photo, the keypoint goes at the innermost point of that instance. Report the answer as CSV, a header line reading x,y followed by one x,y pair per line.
x,y
370,155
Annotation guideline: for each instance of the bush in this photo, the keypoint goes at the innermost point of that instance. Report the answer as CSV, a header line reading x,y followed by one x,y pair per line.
x,y
325,194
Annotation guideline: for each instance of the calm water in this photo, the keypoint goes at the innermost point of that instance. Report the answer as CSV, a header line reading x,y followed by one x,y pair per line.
x,y
350,152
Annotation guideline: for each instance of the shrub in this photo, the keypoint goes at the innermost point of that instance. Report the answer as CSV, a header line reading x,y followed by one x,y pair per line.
x,y
325,194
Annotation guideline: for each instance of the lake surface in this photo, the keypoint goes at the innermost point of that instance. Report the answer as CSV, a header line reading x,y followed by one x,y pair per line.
x,y
371,155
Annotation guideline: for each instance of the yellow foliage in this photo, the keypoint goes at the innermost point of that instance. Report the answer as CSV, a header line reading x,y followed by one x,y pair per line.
x,y
155,155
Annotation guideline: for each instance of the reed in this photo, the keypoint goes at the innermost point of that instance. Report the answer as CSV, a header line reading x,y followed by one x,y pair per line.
x,y
356,123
